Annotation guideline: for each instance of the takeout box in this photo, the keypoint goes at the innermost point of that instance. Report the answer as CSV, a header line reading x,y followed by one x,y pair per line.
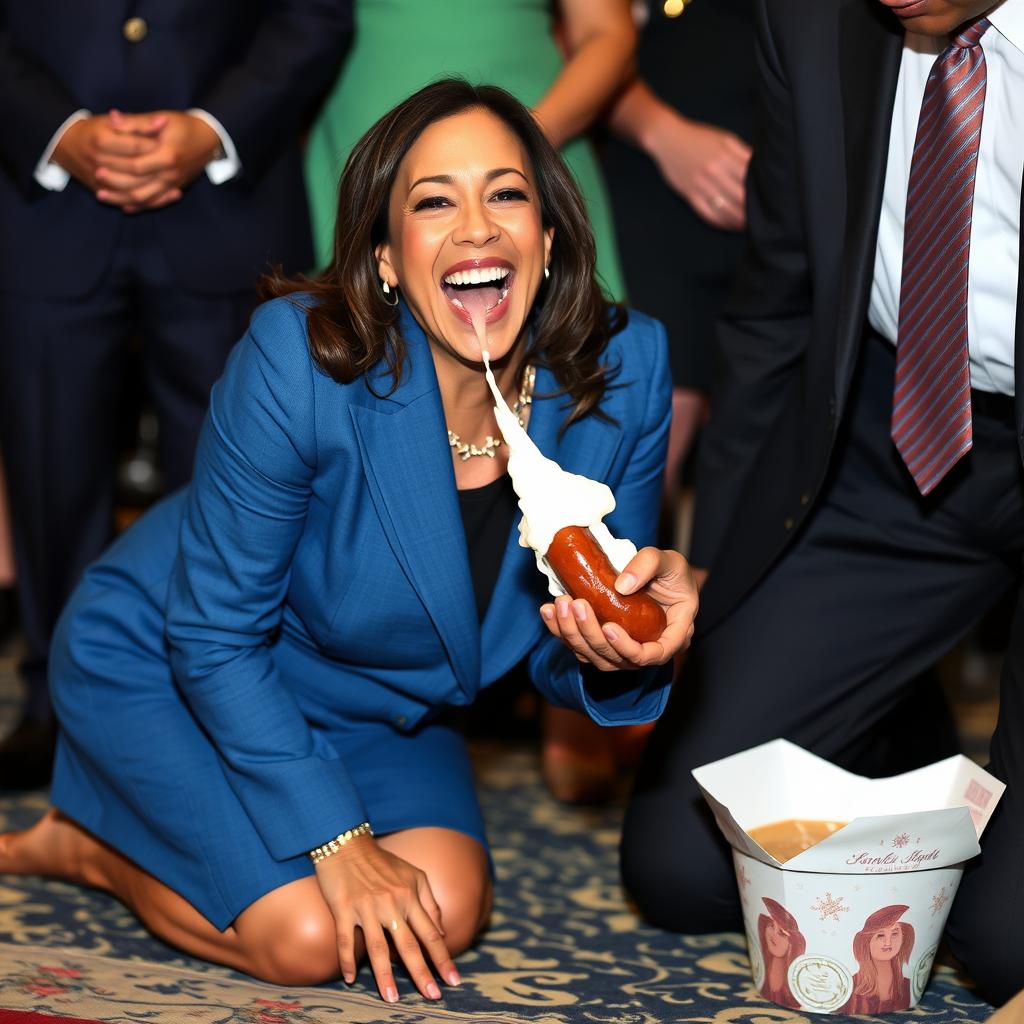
x,y
852,924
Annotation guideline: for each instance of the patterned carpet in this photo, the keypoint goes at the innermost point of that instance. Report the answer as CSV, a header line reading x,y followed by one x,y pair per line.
x,y
563,946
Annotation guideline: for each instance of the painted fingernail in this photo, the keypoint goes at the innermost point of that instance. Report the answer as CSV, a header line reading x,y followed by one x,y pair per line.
x,y
433,991
391,994
580,610
454,978
349,978
547,612
611,633
563,609
626,583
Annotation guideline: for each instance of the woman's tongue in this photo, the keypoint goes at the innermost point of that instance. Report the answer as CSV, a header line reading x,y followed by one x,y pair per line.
x,y
479,299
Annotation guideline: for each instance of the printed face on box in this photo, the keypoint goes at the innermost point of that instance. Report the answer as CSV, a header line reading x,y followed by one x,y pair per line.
x,y
886,943
777,939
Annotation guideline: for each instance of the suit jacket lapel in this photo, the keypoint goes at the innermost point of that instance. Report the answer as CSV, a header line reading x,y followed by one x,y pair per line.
x,y
870,47
412,483
511,626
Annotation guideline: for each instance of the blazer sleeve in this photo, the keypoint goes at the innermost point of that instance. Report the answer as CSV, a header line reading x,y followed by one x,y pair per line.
x,y
289,65
623,698
766,326
33,105
244,516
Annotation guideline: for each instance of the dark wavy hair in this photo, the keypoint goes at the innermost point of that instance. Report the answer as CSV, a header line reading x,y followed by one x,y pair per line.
x,y
352,329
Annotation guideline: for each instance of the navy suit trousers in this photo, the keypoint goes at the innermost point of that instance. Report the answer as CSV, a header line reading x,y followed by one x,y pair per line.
x,y
62,363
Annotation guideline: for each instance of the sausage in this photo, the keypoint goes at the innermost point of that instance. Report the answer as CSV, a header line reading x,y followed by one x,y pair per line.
x,y
585,572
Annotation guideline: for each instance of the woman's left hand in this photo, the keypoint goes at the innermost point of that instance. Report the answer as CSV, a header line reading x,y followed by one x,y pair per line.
x,y
668,579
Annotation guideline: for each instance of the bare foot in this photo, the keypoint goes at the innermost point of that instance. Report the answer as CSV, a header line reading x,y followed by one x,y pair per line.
x,y
54,846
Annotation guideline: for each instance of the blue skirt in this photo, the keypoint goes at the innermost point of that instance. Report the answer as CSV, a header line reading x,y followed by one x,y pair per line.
x,y
175,815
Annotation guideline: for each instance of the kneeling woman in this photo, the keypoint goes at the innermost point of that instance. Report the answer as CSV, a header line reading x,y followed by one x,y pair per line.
x,y
267,661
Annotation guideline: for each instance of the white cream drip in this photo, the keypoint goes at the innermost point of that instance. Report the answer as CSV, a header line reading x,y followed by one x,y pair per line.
x,y
550,498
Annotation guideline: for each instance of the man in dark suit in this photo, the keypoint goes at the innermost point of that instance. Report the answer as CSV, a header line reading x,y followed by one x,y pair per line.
x,y
151,171
861,493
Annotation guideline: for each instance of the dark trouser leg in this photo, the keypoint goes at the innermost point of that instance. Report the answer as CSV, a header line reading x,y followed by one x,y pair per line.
x,y
187,338
824,650
986,925
59,376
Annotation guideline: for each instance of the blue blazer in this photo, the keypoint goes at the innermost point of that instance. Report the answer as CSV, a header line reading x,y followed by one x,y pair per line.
x,y
321,572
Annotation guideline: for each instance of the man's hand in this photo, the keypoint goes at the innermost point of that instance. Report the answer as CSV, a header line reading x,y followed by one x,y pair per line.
x,y
185,145
137,161
87,143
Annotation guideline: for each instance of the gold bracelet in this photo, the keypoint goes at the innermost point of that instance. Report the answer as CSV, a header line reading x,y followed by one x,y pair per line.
x,y
325,851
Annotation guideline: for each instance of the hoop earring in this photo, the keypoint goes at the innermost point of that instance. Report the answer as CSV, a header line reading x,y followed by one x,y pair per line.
x,y
386,289
547,273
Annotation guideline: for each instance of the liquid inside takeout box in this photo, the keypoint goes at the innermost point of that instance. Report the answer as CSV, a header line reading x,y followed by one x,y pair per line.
x,y
851,924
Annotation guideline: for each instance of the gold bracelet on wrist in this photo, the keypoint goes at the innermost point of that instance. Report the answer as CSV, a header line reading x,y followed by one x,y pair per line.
x,y
325,851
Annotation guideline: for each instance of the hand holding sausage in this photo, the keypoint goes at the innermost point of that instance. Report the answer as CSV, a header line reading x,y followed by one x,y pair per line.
x,y
586,573
668,579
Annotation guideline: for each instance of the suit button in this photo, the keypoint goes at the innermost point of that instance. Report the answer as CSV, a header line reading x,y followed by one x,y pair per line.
x,y
788,523
134,30
805,499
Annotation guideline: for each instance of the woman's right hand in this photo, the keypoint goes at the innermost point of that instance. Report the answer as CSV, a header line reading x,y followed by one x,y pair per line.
x,y
369,888
707,166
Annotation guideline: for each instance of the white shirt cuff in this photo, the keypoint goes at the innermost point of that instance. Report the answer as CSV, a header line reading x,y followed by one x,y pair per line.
x,y
228,166
52,176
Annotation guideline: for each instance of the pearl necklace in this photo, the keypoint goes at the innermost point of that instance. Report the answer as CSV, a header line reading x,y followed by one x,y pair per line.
x,y
466,450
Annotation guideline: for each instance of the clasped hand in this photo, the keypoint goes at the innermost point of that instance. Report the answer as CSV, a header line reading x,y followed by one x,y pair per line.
x,y
668,579
372,889
137,161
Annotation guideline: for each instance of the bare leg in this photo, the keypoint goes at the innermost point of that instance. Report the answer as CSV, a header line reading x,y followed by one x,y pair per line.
x,y
286,936
57,847
689,413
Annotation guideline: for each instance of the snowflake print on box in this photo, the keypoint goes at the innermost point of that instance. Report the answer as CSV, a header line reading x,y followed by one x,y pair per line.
x,y
939,900
829,906
742,878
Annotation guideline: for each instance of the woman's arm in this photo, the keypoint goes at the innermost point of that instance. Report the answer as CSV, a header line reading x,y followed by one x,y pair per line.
x,y
245,513
623,682
706,165
601,39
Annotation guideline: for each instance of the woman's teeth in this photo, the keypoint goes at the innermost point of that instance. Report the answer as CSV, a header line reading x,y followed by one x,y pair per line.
x,y
479,288
479,275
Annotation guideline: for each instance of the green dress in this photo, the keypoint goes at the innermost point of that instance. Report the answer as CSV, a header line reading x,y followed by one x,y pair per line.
x,y
400,46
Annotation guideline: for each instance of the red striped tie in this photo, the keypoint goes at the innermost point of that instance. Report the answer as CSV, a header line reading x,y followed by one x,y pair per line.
x,y
931,416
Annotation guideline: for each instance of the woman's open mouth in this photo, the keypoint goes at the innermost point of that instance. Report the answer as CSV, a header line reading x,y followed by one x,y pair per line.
x,y
481,285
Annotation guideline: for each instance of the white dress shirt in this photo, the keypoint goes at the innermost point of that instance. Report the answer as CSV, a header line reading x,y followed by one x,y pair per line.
x,y
54,178
995,223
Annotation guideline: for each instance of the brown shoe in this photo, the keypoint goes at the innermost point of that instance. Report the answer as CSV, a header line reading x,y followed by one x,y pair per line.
x,y
577,762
